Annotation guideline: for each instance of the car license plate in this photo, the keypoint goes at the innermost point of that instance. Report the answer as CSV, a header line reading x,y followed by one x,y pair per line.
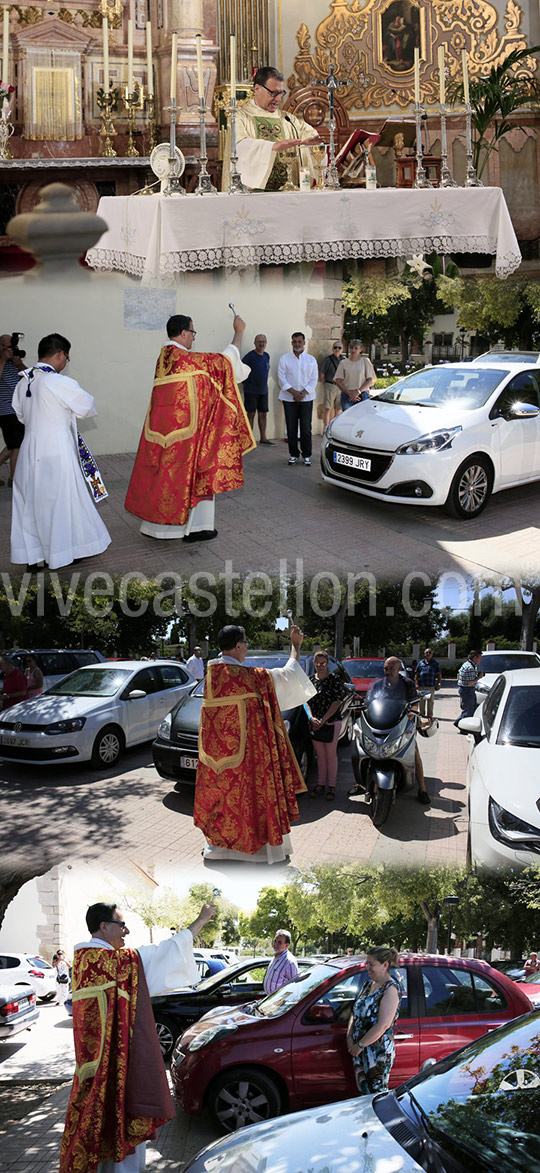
x,y
14,740
188,763
359,462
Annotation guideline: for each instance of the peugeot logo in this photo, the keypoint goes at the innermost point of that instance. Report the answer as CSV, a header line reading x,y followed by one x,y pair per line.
x,y
18,727
360,433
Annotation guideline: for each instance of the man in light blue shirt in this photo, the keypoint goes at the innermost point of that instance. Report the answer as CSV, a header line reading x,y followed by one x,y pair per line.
x,y
283,968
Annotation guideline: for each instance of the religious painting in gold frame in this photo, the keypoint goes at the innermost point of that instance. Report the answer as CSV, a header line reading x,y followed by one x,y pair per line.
x,y
400,29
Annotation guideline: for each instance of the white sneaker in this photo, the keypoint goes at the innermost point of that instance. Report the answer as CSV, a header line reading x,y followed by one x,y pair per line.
x,y
293,459
307,461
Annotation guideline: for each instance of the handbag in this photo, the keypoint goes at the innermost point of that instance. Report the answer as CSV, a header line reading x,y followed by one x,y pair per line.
x,y
62,979
325,733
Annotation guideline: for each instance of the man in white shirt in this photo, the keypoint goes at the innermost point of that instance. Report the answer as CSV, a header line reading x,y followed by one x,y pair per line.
x,y
120,1093
195,664
298,375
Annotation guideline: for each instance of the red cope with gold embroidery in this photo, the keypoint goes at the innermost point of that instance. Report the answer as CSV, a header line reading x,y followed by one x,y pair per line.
x,y
247,776
194,436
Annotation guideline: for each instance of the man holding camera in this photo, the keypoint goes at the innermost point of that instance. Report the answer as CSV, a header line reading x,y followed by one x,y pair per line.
x,y
11,365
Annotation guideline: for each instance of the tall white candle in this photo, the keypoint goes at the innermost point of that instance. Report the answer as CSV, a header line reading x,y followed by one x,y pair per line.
x,y
233,67
417,76
5,47
130,56
465,68
200,75
441,74
149,77
174,62
105,26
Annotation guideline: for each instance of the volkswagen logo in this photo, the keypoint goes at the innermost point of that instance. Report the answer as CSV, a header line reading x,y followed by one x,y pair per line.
x,y
18,727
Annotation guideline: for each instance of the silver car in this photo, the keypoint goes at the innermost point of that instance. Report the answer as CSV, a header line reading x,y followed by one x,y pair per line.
x,y
94,713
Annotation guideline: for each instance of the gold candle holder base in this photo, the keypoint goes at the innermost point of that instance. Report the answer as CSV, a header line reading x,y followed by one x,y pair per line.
x,y
152,128
132,100
289,158
107,131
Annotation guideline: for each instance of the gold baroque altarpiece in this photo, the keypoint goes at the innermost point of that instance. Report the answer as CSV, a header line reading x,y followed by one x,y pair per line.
x,y
372,46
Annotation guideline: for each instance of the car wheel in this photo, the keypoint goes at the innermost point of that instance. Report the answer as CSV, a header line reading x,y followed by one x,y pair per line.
x,y
381,806
108,746
241,1096
470,489
167,1035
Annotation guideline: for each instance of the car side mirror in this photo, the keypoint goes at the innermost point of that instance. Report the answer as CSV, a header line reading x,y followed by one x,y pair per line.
x,y
522,411
322,1012
471,725
136,694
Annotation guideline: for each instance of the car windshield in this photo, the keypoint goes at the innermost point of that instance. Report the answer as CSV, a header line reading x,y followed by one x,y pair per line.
x,y
520,724
466,387
482,1103
368,668
274,1005
227,975
508,661
91,682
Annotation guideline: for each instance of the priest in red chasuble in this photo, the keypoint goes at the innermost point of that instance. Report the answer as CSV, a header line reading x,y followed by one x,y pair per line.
x,y
248,776
120,1093
195,434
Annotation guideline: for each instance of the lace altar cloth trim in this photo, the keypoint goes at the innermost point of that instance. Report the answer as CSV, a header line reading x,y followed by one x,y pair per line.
x,y
241,256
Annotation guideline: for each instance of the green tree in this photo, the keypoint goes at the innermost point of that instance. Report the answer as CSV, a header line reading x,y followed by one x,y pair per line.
x,y
505,310
272,913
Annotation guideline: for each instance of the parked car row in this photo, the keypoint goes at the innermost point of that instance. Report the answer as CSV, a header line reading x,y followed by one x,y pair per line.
x,y
25,969
18,1009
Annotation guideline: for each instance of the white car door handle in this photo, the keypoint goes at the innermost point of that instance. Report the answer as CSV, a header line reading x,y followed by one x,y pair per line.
x,y
398,1038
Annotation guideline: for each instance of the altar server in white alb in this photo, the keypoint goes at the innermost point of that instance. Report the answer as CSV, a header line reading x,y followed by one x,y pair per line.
x,y
54,517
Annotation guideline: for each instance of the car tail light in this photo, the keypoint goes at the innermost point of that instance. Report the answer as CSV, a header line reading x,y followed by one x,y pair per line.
x,y
36,973
9,1008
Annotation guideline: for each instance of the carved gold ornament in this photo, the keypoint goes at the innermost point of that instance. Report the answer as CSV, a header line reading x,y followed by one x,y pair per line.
x,y
372,47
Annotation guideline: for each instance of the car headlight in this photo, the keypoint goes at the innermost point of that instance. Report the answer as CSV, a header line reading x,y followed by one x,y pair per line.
x,y
508,829
72,726
208,1035
432,442
164,730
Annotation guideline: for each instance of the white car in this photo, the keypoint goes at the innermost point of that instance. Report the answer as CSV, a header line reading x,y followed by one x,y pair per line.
x,y
94,713
449,435
28,969
503,773
493,663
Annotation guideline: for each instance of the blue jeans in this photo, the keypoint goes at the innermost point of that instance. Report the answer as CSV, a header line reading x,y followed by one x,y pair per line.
x,y
467,696
345,401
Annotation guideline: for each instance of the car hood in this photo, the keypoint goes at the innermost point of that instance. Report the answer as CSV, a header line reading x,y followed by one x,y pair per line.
x,y
347,1135
521,763
43,709
187,715
386,426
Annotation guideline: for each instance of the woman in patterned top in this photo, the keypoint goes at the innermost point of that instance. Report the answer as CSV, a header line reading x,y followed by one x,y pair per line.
x,y
325,712
370,1037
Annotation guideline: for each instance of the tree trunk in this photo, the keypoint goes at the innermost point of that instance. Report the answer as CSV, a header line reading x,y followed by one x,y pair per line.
x,y
11,883
528,618
432,940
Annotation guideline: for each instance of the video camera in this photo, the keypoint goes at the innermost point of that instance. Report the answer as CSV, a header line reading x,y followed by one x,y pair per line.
x,y
14,342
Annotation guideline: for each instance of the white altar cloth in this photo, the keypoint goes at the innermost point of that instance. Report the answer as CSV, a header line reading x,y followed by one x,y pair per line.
x,y
155,236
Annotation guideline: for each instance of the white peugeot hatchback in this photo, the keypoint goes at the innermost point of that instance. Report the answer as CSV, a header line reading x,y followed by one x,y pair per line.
x,y
449,435
93,713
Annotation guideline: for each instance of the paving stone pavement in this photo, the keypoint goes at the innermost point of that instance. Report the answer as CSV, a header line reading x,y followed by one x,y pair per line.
x,y
33,1145
284,514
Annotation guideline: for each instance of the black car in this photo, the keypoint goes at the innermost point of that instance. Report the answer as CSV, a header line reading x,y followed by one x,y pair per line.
x,y
233,986
176,748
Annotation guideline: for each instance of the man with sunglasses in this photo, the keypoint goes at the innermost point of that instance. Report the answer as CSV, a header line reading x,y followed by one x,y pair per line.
x,y
120,1094
54,517
195,435
327,374
263,133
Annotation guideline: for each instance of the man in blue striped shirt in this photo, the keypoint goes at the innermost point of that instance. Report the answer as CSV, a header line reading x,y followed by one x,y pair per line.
x,y
283,967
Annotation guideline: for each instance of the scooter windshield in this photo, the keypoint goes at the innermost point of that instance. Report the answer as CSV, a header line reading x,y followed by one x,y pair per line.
x,y
384,712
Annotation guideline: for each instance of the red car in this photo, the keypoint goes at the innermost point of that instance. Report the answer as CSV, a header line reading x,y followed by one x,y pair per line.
x,y
288,1050
364,672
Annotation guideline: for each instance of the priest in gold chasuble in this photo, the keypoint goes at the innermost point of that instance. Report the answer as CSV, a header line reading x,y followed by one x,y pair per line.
x,y
248,776
263,132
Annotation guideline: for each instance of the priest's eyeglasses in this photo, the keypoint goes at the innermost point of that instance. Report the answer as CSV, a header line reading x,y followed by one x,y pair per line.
x,y
190,330
121,923
274,93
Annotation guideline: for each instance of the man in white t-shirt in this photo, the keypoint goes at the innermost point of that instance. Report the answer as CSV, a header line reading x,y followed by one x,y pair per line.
x,y
195,664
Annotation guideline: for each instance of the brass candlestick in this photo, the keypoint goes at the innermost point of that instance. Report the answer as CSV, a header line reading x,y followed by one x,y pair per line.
x,y
151,117
107,102
132,101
